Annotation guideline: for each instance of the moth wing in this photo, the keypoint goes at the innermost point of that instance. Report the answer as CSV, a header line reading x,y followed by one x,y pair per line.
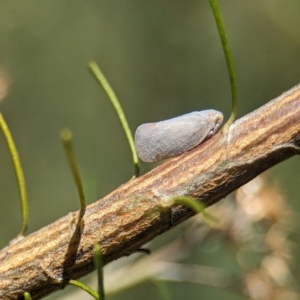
x,y
169,138
184,134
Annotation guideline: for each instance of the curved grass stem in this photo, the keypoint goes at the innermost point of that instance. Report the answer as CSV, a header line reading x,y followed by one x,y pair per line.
x,y
229,62
99,76
85,288
197,207
19,174
66,137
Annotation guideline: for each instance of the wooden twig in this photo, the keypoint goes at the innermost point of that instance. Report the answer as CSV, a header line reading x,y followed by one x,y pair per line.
x,y
142,208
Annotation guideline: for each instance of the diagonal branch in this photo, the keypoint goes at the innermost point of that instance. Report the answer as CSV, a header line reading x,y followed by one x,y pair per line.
x,y
142,208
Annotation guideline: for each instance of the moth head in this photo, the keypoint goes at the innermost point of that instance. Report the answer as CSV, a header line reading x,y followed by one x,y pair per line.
x,y
216,118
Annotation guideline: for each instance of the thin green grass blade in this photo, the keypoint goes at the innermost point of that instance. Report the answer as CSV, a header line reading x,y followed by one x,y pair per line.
x,y
229,62
66,137
19,174
99,76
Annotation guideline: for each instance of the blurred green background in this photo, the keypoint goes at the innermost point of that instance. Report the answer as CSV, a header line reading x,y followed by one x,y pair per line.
x,y
163,59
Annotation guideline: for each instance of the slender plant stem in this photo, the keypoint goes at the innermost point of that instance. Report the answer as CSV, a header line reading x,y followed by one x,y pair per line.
x,y
85,288
99,76
66,137
196,206
229,62
99,266
19,173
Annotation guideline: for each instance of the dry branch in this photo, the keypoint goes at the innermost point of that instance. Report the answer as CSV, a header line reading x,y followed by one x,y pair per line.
x,y
142,208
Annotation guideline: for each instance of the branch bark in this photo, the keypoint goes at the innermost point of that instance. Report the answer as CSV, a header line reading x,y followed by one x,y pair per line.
x,y
142,208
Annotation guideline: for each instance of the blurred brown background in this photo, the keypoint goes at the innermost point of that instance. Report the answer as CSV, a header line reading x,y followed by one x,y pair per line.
x,y
163,59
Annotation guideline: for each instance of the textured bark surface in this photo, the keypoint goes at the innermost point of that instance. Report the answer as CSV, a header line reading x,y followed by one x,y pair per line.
x,y
142,208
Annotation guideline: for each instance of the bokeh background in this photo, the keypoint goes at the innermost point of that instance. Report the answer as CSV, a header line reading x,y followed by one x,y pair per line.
x,y
163,59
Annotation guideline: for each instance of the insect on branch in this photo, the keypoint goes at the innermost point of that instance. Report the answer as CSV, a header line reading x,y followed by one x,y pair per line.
x,y
141,209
